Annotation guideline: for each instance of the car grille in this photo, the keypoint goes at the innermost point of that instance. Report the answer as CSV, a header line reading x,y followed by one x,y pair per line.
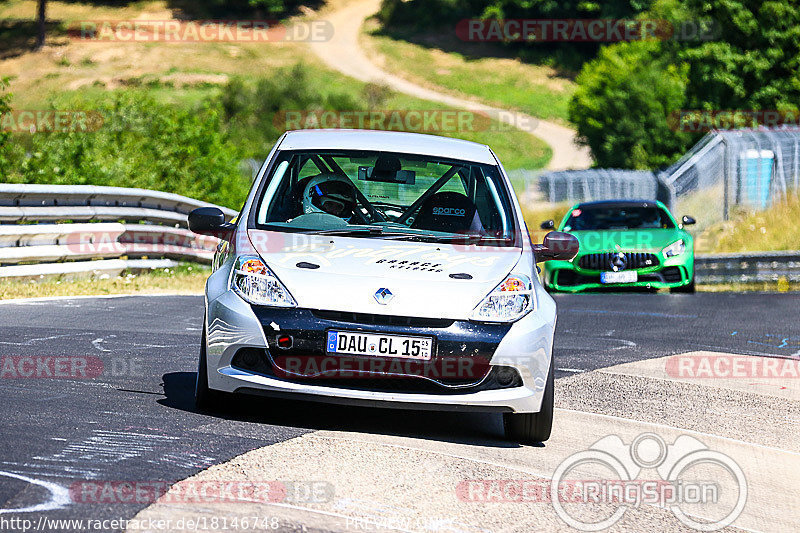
x,y
672,274
632,260
570,278
499,377
383,320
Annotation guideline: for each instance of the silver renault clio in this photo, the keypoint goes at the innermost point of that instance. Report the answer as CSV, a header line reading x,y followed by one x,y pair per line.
x,y
384,269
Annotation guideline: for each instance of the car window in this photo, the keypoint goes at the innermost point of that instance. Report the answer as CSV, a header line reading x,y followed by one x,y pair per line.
x,y
311,191
618,218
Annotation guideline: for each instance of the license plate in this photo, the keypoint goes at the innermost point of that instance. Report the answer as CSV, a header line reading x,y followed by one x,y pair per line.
x,y
399,346
618,277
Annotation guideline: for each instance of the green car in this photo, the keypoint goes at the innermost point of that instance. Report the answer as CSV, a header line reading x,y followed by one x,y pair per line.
x,y
624,243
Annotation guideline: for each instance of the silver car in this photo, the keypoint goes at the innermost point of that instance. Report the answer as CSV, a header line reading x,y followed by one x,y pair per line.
x,y
381,269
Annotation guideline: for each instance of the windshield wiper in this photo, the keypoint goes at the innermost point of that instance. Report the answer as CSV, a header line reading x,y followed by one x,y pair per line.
x,y
357,230
380,231
458,239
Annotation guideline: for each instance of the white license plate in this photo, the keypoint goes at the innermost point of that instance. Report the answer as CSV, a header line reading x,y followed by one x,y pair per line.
x,y
619,277
399,346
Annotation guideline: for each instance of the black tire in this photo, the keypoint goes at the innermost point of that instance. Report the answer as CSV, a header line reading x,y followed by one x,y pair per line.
x,y
529,428
206,399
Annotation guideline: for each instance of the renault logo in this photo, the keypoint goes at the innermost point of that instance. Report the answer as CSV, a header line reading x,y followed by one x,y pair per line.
x,y
383,296
618,262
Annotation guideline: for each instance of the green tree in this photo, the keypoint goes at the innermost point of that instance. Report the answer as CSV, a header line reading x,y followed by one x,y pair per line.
x,y
622,104
627,96
141,143
5,107
755,61
41,22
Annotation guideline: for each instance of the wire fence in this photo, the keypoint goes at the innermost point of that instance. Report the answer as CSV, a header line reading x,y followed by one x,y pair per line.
x,y
725,171
735,169
598,184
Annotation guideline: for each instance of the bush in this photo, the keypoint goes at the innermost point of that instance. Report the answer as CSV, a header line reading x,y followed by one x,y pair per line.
x,y
252,110
626,96
141,143
5,107
224,9
622,105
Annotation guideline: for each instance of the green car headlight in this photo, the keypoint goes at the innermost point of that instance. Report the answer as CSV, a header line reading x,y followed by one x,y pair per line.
x,y
676,248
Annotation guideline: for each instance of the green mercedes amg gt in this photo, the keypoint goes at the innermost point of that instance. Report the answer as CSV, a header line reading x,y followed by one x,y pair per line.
x,y
624,243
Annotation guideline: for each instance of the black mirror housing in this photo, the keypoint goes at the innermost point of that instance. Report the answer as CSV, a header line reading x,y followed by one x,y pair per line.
x,y
556,246
688,221
209,221
548,224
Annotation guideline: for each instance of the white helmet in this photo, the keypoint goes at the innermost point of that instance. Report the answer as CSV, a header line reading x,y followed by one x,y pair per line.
x,y
330,193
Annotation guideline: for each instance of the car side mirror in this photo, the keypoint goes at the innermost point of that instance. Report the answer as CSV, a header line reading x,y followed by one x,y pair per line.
x,y
558,246
688,221
210,221
548,224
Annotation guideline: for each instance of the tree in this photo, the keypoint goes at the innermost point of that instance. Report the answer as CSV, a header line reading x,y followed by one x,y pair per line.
x,y
627,96
41,18
5,107
622,103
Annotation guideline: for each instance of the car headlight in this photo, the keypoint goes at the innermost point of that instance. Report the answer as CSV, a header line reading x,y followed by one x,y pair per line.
x,y
509,301
255,283
676,248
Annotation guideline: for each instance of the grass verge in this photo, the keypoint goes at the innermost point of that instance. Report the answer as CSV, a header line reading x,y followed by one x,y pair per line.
x,y
189,73
773,229
183,279
493,79
772,286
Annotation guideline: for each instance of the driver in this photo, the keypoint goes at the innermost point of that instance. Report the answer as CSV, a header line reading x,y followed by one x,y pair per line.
x,y
329,193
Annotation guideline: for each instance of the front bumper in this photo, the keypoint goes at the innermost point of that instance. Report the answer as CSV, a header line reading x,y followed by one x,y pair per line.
x,y
525,346
566,276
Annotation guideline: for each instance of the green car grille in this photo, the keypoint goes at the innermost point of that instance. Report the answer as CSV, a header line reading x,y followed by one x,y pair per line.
x,y
570,278
618,261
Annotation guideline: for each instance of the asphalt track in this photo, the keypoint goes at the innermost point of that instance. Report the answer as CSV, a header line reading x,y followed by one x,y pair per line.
x,y
135,420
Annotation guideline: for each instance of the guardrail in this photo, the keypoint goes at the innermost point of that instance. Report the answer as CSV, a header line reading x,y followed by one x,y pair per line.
x,y
748,267
34,245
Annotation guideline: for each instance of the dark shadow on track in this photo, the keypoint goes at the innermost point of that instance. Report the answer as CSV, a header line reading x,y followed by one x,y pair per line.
x,y
483,429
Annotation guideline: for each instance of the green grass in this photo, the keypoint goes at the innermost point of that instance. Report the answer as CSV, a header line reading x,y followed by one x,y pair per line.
x,y
767,286
168,73
504,82
515,148
185,278
775,228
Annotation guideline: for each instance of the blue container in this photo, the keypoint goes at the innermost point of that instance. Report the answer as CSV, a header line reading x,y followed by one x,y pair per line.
x,y
755,177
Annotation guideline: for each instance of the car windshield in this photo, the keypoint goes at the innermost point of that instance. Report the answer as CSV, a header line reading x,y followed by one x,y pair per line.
x,y
386,195
618,218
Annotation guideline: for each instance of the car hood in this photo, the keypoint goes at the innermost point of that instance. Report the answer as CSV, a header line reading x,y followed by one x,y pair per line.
x,y
344,273
651,240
